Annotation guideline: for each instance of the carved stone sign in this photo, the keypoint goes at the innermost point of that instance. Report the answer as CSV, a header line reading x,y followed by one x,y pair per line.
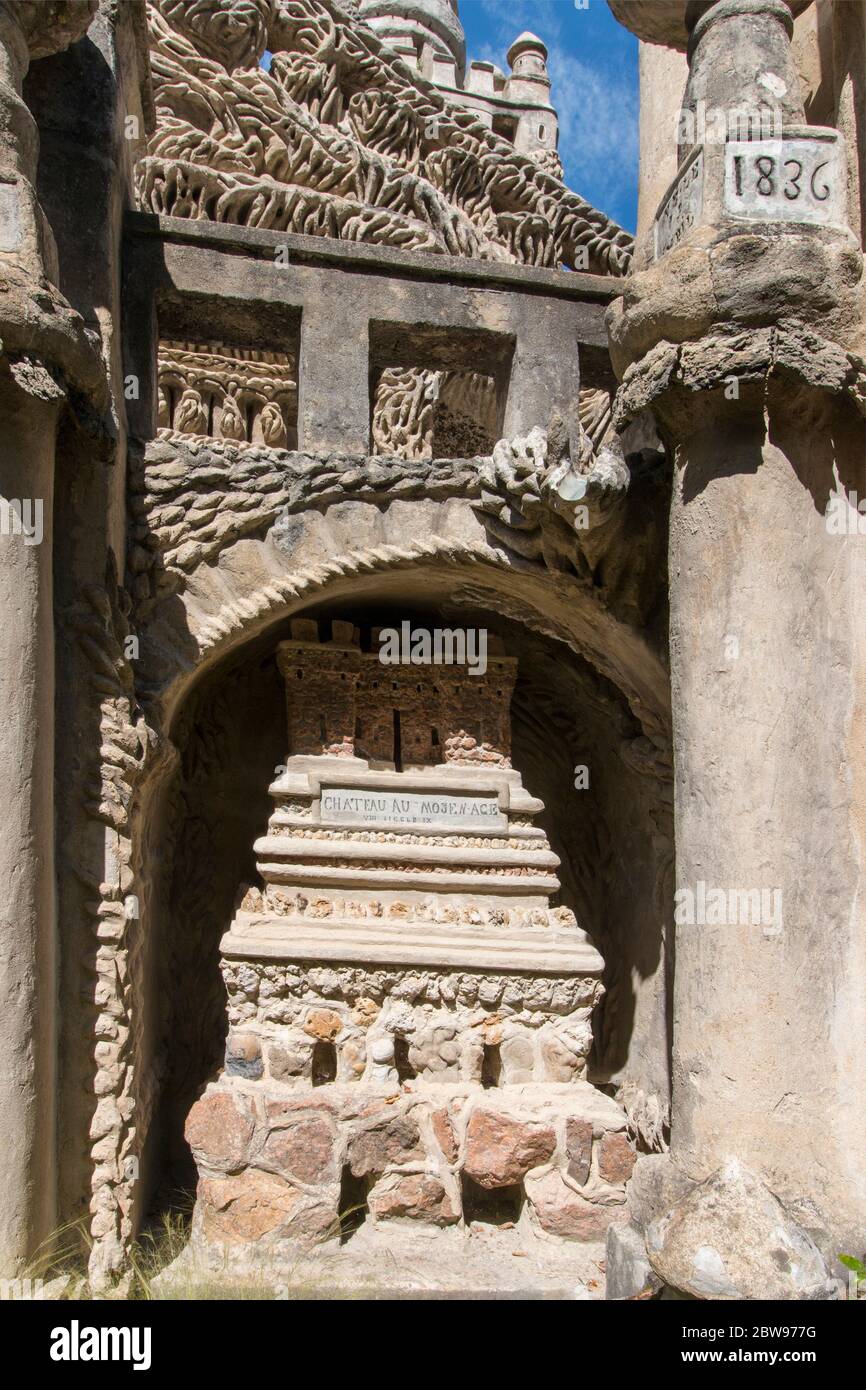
x,y
356,804
682,205
797,178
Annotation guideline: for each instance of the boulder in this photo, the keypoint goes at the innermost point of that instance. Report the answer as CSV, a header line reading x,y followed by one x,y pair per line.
x,y
383,1145
443,1130
219,1132
414,1197
616,1158
578,1148
563,1212
303,1150
254,1205
730,1238
656,1185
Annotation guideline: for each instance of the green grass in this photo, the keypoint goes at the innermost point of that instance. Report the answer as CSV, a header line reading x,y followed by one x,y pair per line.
x,y
65,1256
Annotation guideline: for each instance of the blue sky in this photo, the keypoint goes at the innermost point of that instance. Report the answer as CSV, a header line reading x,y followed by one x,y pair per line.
x,y
593,68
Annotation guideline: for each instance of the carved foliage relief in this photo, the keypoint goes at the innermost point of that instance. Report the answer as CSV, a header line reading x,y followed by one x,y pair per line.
x,y
338,138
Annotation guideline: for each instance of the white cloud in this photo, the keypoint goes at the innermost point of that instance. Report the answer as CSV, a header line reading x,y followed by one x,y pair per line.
x,y
598,124
597,102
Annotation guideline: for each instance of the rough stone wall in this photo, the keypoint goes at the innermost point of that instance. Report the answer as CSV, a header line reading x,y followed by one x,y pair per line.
x,y
148,850
271,1165
78,100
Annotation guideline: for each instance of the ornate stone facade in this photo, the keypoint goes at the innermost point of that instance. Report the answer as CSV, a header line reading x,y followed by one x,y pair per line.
x,y
337,139
317,345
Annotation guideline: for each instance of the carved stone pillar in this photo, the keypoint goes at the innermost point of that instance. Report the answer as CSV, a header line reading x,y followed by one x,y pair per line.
x,y
42,341
741,337
28,966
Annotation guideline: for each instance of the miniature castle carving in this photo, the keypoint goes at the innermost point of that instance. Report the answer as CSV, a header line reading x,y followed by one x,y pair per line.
x,y
401,985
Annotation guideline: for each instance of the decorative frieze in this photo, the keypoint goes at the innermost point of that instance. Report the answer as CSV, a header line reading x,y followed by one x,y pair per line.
x,y
423,414
352,146
244,395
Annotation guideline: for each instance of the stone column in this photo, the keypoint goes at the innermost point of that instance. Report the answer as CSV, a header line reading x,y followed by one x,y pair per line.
x,y
740,338
768,659
663,73
28,950
43,341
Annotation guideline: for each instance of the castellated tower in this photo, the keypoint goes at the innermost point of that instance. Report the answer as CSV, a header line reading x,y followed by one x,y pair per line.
x,y
409,1012
428,36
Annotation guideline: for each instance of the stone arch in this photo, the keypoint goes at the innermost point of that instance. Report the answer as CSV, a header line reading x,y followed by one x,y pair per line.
x,y
205,655
257,582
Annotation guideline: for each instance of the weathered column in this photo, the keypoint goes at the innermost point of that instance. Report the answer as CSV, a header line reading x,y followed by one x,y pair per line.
x,y
740,338
662,78
43,344
28,965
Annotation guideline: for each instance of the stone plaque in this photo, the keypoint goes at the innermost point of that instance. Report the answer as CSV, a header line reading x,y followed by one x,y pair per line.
x,y
682,205
796,178
356,804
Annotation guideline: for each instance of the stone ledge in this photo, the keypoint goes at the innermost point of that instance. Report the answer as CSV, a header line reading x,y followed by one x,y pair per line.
x,y
544,951
324,876
328,251
292,849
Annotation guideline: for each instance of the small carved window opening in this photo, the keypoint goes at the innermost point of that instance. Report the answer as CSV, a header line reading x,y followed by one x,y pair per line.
x,y
353,1209
398,751
499,1206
